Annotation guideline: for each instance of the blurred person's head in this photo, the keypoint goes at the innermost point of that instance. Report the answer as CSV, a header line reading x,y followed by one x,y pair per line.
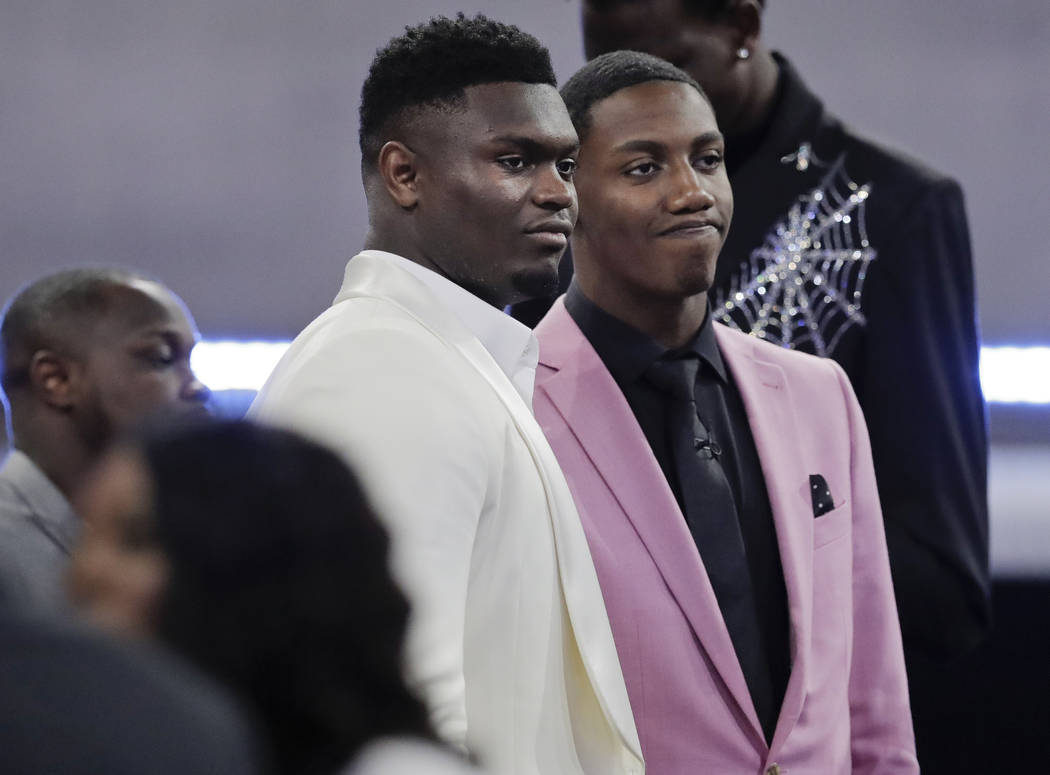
x,y
718,42
468,156
255,554
655,200
87,354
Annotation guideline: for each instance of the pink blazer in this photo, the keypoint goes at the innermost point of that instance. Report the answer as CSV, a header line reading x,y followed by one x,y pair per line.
x,y
846,706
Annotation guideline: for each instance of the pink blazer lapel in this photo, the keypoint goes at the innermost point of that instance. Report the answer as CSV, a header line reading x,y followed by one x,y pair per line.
x,y
590,402
771,413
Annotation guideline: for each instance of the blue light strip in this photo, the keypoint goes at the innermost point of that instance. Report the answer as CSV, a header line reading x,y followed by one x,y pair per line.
x,y
1009,375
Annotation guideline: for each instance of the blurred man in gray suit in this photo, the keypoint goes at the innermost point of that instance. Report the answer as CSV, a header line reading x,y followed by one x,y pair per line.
x,y
85,354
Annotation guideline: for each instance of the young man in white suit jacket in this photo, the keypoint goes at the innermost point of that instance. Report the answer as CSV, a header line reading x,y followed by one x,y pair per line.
x,y
418,378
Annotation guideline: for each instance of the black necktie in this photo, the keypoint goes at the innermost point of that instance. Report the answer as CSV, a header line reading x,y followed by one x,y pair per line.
x,y
711,514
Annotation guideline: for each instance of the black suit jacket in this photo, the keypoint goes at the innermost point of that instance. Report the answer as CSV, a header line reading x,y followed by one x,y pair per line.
x,y
913,361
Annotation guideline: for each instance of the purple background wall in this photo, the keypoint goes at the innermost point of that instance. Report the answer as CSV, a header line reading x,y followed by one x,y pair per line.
x,y
213,142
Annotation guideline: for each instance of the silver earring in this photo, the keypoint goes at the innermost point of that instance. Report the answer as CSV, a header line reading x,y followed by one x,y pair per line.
x,y
743,53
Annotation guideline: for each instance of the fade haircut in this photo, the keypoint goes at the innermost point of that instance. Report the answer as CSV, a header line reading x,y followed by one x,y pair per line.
x,y
607,74
432,64
708,9
50,313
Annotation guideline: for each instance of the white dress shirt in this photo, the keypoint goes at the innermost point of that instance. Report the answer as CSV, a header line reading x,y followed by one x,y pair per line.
x,y
511,344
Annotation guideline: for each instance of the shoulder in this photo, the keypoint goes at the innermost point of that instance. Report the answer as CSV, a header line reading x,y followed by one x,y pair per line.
x,y
363,319
14,509
813,382
367,374
363,343
20,523
792,361
899,180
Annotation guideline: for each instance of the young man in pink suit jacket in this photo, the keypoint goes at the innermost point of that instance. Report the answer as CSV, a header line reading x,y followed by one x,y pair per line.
x,y
756,629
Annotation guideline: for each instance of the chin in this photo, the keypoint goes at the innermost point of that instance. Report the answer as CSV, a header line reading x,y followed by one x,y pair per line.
x,y
699,279
536,282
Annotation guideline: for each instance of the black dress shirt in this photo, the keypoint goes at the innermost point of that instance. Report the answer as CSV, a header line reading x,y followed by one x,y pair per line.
x,y
627,353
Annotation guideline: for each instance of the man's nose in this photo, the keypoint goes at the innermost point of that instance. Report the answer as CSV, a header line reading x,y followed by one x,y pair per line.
x,y
689,192
195,390
553,191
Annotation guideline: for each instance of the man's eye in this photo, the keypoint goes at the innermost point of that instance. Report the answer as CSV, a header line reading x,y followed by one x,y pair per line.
x,y
643,169
567,167
512,163
159,358
709,161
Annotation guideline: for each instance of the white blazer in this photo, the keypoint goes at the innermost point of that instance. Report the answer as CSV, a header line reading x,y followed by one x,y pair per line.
x,y
510,644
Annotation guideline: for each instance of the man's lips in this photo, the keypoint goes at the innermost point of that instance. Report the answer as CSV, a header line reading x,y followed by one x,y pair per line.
x,y
690,228
554,232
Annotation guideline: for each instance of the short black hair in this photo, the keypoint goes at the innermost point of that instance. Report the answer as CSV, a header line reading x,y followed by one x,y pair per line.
x,y
50,312
278,586
607,74
433,63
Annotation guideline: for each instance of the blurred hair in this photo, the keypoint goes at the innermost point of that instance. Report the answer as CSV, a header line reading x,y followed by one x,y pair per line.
x,y
278,586
50,313
432,64
607,74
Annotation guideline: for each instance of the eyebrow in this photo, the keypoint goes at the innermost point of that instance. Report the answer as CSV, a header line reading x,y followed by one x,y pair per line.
x,y
537,147
654,146
170,336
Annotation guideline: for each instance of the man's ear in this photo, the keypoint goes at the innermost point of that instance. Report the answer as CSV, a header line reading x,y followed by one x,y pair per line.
x,y
744,17
400,174
53,378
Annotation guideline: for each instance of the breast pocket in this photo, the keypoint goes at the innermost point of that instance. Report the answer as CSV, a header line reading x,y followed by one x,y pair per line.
x,y
832,526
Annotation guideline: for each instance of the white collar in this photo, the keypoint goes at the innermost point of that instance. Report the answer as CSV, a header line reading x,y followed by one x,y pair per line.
x,y
511,344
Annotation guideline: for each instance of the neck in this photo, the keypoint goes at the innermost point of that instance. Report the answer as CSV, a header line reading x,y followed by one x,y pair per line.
x,y
400,242
759,93
672,322
58,453
397,241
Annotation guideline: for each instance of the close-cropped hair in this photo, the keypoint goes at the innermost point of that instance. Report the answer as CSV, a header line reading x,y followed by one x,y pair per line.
x,y
432,64
49,311
607,74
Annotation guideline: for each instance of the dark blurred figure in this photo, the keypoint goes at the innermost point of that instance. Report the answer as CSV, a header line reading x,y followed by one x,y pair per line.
x,y
74,703
253,553
86,354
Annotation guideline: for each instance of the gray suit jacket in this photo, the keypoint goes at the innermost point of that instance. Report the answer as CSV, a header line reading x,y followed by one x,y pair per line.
x,y
37,532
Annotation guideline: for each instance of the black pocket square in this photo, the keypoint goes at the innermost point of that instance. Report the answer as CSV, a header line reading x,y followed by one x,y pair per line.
x,y
822,500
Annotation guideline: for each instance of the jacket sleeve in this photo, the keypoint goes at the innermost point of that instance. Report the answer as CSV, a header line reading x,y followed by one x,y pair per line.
x,y
922,399
389,400
881,737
